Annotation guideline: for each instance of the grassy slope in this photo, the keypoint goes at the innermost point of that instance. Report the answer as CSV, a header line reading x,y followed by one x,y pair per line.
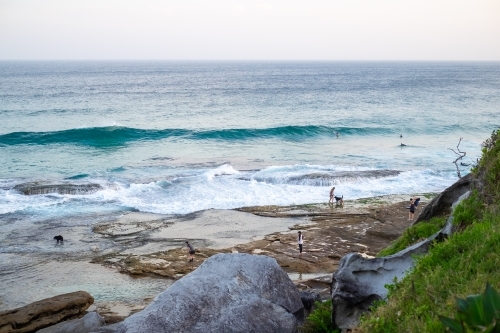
x,y
458,267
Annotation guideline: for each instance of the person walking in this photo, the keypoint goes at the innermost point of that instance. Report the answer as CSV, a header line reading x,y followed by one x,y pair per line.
x,y
411,213
191,251
331,195
300,240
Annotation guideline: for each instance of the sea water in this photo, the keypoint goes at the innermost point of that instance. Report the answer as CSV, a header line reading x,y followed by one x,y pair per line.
x,y
174,138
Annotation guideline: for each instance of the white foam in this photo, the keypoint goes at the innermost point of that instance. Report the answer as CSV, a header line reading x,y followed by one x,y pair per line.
x,y
224,188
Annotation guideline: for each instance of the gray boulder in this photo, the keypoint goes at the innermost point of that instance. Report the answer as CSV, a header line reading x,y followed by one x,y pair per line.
x,y
227,293
89,323
360,281
442,203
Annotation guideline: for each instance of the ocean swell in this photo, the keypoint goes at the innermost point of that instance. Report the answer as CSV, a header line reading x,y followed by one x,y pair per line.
x,y
115,136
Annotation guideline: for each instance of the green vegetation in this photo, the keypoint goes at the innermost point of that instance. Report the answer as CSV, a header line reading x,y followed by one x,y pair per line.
x,y
458,267
476,313
320,320
414,235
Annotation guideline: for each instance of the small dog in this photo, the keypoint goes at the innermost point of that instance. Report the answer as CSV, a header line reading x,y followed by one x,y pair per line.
x,y
59,238
341,199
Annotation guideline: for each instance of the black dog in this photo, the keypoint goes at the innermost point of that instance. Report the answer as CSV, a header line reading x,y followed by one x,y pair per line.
x,y
341,199
59,238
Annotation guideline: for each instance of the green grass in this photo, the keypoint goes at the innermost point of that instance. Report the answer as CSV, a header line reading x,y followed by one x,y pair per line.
x,y
414,235
458,267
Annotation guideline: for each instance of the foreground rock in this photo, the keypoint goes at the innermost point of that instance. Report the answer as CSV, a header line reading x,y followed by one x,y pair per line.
x,y
45,313
89,323
227,293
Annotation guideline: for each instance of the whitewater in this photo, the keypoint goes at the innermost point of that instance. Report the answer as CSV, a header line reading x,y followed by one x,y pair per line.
x,y
179,137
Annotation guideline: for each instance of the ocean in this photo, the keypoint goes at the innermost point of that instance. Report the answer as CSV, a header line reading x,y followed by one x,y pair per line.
x,y
93,140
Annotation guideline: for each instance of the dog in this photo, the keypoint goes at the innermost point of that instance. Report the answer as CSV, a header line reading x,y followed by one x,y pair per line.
x,y
339,199
59,238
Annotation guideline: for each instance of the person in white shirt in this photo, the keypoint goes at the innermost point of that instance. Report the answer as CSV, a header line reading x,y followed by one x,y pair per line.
x,y
300,240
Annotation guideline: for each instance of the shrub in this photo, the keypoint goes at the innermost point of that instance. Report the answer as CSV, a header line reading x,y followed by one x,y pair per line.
x,y
476,313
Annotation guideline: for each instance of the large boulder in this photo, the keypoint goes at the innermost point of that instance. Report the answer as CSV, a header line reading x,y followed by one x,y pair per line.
x,y
91,322
442,203
359,281
227,293
46,312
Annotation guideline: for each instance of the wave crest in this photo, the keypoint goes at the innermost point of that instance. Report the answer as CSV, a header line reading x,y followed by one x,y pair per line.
x,y
113,136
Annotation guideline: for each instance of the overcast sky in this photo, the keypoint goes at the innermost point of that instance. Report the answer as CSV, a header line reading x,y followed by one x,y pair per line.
x,y
250,29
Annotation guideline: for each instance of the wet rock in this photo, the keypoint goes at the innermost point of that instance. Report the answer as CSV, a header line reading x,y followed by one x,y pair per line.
x,y
227,293
360,281
442,203
89,323
37,188
45,313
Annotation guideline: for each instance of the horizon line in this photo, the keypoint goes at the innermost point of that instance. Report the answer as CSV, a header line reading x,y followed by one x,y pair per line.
x,y
263,60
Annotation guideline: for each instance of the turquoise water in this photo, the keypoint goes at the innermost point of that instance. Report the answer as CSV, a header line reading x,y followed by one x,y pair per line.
x,y
178,137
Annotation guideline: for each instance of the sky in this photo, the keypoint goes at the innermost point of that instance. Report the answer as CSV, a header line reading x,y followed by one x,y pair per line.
x,y
250,30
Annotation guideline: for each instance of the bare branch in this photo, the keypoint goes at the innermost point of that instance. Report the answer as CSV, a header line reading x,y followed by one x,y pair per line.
x,y
460,154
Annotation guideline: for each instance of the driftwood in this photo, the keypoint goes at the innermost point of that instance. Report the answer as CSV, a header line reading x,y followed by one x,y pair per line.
x,y
461,154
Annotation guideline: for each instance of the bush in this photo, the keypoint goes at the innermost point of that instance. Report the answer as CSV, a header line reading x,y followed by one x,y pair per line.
x,y
476,313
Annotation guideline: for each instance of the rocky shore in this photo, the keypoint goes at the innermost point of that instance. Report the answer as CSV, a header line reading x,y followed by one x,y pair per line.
x,y
147,246
330,231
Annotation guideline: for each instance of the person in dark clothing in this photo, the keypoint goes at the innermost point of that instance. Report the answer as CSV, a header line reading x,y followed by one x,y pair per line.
x,y
191,251
412,210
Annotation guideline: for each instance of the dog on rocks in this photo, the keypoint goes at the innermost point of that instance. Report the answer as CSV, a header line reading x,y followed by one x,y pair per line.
x,y
59,238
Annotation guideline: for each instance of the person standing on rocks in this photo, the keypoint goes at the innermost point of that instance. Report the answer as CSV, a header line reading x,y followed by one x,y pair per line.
x,y
412,210
300,240
191,251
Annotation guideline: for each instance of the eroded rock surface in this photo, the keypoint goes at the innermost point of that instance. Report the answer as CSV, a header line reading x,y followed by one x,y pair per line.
x,y
227,293
45,313
442,203
360,281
